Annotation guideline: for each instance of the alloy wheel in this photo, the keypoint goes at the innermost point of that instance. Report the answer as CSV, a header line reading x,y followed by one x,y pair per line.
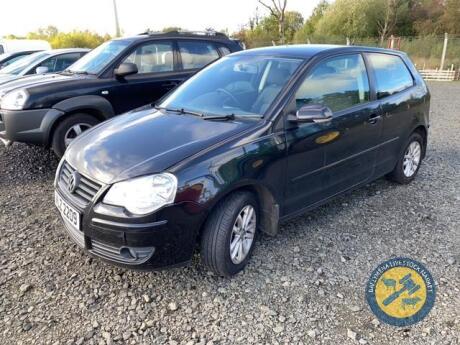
x,y
74,132
412,158
243,232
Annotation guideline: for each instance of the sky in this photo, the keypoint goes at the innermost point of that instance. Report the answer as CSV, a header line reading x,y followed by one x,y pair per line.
x,y
22,16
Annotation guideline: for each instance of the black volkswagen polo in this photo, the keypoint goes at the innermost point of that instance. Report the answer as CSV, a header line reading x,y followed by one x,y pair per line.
x,y
250,141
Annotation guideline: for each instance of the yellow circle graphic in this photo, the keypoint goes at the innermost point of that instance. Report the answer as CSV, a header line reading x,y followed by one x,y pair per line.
x,y
400,292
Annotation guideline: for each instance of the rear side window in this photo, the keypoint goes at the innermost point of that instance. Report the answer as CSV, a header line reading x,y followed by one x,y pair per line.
x,y
196,54
338,83
391,74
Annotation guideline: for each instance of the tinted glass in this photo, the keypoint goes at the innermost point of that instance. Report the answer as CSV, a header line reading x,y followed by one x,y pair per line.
x,y
339,83
196,54
224,50
48,63
22,64
391,74
240,85
97,59
153,57
65,60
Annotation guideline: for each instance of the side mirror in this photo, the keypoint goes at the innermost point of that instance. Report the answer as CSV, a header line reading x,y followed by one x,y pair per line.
x,y
316,113
41,70
125,69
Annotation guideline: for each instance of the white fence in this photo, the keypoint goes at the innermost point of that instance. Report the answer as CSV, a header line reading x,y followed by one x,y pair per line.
x,y
437,74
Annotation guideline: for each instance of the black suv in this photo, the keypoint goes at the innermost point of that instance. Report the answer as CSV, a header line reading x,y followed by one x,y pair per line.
x,y
118,76
253,139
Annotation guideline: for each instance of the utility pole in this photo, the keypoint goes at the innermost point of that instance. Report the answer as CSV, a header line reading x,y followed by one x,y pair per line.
x,y
117,24
444,50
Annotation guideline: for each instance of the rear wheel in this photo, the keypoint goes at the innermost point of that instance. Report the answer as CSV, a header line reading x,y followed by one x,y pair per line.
x,y
229,234
70,128
409,162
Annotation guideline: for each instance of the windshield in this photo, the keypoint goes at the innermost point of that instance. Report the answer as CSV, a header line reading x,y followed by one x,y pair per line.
x,y
19,66
239,85
97,59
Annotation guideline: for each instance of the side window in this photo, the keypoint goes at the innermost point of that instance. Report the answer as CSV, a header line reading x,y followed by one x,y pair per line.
x,y
49,63
153,57
64,61
1,49
339,83
196,54
224,50
391,74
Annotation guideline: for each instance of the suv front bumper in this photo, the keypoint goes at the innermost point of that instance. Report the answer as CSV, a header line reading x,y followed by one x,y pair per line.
x,y
29,126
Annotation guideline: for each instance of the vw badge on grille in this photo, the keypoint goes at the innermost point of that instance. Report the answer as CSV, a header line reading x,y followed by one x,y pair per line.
x,y
74,181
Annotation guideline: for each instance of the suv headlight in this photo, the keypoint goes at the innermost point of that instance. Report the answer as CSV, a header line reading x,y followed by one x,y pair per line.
x,y
143,195
14,100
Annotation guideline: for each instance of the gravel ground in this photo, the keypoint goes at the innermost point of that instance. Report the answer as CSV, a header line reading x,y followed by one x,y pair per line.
x,y
306,285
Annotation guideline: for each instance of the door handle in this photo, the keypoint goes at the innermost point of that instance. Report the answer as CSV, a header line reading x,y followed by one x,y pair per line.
x,y
374,118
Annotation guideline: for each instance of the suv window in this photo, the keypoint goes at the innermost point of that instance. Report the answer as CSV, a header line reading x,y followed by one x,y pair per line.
x,y
197,54
339,83
153,57
391,74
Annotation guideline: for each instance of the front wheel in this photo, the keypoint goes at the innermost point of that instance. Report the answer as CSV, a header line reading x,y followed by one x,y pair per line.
x,y
70,128
229,234
409,162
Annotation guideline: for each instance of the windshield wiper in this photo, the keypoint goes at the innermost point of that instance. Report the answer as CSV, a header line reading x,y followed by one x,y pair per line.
x,y
231,117
181,111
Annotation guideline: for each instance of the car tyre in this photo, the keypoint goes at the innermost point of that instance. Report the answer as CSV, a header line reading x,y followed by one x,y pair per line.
x,y
70,128
226,243
409,161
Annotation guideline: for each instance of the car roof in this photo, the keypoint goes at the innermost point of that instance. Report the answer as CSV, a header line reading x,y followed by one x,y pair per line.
x,y
68,50
215,36
306,51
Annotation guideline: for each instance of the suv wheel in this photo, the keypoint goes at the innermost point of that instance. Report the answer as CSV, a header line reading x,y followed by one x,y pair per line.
x,y
408,164
70,128
229,234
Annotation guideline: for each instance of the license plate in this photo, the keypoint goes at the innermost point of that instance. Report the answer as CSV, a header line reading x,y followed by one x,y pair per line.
x,y
70,214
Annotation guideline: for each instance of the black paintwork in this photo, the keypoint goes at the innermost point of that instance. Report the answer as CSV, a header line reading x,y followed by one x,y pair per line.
x,y
282,162
58,95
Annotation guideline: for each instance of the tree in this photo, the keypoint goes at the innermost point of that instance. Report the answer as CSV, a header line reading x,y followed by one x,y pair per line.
x,y
389,16
74,39
311,23
451,18
278,10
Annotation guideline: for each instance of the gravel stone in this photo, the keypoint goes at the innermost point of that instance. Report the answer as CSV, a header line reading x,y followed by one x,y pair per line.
x,y
329,251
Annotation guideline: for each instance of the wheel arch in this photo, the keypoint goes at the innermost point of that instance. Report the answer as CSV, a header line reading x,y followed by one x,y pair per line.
x,y
268,206
95,106
422,130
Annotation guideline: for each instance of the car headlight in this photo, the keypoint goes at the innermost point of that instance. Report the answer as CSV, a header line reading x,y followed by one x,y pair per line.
x,y
14,100
143,195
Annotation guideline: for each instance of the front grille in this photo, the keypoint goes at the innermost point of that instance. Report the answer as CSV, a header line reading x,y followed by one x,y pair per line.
x,y
85,189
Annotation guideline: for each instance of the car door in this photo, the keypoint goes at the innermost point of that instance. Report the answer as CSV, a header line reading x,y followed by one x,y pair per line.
x,y
349,141
394,90
157,74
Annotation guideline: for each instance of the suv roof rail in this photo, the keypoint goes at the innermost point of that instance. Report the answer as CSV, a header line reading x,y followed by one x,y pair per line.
x,y
208,33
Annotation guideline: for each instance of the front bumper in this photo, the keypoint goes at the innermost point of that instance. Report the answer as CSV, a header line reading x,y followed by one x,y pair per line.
x,y
164,239
29,126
